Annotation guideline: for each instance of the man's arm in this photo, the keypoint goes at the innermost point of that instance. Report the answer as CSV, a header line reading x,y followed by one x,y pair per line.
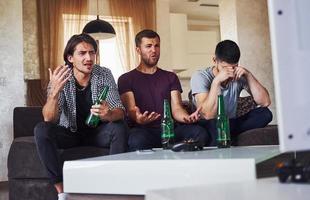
x,y
105,113
58,79
133,111
50,110
208,100
112,108
259,92
128,101
178,112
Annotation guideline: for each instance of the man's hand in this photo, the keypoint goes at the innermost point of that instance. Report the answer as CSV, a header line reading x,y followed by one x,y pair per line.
x,y
239,72
58,78
102,110
225,74
145,118
194,117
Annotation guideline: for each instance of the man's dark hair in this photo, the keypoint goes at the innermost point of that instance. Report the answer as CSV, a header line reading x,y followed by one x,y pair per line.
x,y
145,33
227,51
74,41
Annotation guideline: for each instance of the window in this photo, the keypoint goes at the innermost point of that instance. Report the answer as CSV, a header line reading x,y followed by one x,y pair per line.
x,y
109,57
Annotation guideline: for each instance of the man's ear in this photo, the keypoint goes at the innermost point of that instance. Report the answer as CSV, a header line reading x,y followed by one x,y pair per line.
x,y
214,59
70,58
138,50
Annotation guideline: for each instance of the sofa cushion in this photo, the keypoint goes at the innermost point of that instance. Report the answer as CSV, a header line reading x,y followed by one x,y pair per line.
x,y
24,162
259,136
25,119
31,189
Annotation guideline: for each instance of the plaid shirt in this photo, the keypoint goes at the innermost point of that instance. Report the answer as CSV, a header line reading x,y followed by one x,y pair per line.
x,y
100,77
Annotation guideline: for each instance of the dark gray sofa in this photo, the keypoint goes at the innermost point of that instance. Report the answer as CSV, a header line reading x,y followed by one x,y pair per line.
x,y
27,177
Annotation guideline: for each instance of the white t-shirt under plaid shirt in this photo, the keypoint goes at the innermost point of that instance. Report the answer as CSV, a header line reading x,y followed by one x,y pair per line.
x,y
100,77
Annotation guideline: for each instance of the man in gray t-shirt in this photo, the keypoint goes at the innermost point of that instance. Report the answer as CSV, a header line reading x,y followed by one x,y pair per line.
x,y
201,83
226,77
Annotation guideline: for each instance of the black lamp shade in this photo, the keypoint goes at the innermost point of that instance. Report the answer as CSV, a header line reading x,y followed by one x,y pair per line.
x,y
99,29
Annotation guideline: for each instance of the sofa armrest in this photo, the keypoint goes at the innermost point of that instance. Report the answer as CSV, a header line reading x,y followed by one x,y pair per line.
x,y
25,119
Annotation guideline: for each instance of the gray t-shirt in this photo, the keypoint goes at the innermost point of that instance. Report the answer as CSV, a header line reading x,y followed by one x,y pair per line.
x,y
201,82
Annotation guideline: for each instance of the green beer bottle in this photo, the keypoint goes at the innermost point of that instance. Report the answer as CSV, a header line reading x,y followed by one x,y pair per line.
x,y
222,125
167,127
93,120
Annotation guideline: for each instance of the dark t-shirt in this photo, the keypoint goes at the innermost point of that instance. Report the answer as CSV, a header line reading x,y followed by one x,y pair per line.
x,y
83,105
149,90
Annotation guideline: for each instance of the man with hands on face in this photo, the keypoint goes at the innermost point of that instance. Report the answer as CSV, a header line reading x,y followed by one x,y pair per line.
x,y
226,77
71,93
143,91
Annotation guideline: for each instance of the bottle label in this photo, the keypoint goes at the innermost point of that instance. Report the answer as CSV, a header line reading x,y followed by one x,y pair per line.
x,y
223,128
167,135
167,131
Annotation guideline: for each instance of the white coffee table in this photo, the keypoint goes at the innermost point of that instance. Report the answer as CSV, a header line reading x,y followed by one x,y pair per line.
x,y
135,173
266,188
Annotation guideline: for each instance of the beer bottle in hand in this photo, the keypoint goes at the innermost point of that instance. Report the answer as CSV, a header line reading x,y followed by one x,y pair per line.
x,y
167,127
222,124
93,120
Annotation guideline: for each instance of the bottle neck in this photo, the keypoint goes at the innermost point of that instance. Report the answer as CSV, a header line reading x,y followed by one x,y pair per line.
x,y
220,105
103,95
167,111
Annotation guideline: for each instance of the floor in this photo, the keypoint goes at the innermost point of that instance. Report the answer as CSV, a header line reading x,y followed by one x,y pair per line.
x,y
4,191
4,195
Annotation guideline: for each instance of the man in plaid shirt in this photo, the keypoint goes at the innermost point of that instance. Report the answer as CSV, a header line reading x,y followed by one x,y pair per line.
x,y
72,91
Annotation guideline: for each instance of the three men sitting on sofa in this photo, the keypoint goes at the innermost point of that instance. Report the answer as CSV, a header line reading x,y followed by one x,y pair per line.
x,y
74,87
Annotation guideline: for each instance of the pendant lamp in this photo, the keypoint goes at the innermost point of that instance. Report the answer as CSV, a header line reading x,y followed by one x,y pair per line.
x,y
99,29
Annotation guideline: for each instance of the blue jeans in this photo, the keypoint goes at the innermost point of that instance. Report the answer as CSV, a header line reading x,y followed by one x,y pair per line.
x,y
256,118
50,137
147,138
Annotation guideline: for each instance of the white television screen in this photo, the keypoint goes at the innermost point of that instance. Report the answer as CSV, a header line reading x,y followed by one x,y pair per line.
x,y
290,41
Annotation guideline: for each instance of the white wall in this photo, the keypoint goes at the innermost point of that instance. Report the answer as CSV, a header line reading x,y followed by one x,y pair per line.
x,y
11,74
178,36
163,29
228,20
201,46
191,50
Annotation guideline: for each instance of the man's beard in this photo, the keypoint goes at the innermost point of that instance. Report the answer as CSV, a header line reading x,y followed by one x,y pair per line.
x,y
148,63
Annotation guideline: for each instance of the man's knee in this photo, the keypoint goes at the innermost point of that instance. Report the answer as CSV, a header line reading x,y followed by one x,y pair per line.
x,y
210,130
198,132
201,134
266,114
42,130
119,129
204,136
136,141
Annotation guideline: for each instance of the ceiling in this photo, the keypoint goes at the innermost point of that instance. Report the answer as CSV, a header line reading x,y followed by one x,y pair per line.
x,y
194,11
